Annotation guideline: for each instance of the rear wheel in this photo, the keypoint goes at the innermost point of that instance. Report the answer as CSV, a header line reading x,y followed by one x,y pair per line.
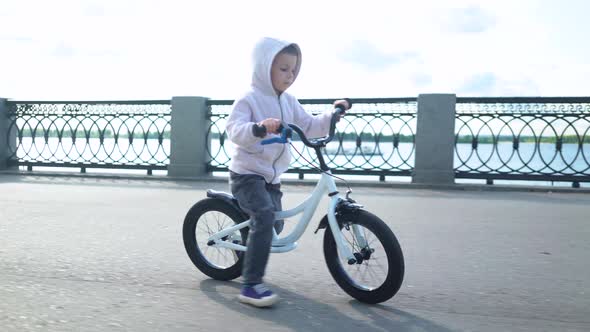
x,y
204,219
378,272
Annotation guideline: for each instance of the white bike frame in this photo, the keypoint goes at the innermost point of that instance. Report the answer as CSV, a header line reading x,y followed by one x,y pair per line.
x,y
326,184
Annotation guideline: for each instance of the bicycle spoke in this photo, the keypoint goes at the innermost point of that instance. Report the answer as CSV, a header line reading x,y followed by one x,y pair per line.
x,y
372,271
217,220
209,224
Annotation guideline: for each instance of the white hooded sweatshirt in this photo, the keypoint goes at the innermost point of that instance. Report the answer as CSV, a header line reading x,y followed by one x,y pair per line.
x,y
260,103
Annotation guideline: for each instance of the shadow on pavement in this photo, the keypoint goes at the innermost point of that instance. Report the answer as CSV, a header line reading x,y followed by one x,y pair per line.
x,y
300,313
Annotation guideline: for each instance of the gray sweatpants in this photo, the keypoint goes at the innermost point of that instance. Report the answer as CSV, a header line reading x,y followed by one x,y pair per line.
x,y
259,200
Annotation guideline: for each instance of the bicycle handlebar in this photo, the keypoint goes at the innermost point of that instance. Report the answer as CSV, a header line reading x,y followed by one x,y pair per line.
x,y
284,138
286,133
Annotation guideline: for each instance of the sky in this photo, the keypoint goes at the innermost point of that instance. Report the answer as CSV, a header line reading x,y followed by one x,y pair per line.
x,y
137,50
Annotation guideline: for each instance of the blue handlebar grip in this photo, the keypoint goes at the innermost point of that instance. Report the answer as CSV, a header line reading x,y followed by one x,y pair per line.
x,y
273,140
284,138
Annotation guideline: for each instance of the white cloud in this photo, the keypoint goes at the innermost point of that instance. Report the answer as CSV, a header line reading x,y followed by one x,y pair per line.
x,y
470,19
155,49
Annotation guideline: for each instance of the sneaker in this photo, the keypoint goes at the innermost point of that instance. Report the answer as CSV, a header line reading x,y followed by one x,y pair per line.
x,y
258,295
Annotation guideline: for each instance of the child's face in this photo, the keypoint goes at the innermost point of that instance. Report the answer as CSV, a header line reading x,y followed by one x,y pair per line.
x,y
282,72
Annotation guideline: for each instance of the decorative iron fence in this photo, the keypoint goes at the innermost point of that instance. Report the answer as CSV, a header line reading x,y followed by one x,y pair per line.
x,y
519,138
102,134
375,138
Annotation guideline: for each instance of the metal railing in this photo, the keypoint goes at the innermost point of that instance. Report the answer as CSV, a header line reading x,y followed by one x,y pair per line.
x,y
546,139
517,138
89,134
375,138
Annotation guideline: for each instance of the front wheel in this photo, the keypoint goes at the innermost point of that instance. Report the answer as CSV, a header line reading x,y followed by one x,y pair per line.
x,y
378,272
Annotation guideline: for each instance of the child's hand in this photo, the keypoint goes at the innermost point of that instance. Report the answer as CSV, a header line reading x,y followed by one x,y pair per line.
x,y
345,103
342,102
272,125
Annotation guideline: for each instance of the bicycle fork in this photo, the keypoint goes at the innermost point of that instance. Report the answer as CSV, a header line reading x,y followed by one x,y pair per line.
x,y
343,248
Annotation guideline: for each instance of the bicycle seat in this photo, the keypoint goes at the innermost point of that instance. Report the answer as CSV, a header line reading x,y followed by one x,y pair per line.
x,y
228,198
221,194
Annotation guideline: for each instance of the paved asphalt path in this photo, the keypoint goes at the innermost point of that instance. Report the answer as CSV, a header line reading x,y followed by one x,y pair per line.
x,y
87,254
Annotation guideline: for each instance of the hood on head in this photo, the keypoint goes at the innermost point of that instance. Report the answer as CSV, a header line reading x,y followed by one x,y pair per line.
x,y
265,52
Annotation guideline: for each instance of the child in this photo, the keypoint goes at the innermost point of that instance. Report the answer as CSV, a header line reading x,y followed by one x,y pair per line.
x,y
255,169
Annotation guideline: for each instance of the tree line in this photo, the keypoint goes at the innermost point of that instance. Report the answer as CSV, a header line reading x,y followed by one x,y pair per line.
x,y
364,137
93,134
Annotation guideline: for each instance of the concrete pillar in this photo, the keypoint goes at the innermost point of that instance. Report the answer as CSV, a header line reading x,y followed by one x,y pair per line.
x,y
188,137
435,139
5,140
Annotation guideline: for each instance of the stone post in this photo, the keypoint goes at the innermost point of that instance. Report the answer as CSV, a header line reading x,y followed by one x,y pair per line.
x,y
435,139
7,140
188,141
